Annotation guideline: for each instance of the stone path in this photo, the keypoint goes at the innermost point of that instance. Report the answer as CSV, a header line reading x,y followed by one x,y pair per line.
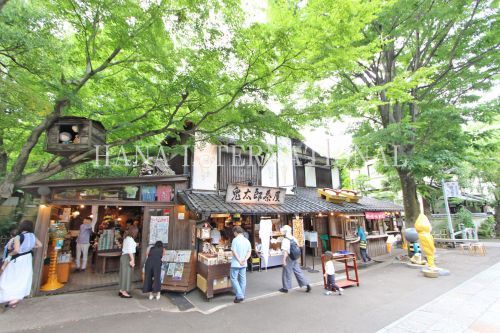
x,y
473,306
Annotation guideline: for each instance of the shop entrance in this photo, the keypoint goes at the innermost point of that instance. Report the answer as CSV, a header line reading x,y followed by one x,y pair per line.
x,y
91,260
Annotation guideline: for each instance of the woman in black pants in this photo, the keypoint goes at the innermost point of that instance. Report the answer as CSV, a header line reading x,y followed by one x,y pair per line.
x,y
152,270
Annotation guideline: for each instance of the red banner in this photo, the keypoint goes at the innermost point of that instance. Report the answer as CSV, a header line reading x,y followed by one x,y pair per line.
x,y
375,215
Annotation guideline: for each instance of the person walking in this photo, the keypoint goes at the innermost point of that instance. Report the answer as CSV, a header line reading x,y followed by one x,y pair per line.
x,y
290,262
152,270
15,281
127,262
82,244
241,249
363,245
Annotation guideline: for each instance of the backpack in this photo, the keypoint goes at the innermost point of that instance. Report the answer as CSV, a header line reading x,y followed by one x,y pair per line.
x,y
295,251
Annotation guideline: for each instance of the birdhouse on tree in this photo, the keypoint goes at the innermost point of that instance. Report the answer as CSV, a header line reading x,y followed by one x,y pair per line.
x,y
71,135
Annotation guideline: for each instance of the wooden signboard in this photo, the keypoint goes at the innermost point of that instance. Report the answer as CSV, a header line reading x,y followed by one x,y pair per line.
x,y
255,195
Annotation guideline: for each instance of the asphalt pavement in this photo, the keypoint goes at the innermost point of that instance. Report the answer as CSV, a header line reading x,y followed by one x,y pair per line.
x,y
388,292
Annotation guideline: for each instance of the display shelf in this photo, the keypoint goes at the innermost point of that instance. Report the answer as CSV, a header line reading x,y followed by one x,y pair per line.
x,y
211,273
187,282
272,261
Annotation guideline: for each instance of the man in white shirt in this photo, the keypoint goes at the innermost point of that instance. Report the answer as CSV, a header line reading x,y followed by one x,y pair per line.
x,y
290,265
241,248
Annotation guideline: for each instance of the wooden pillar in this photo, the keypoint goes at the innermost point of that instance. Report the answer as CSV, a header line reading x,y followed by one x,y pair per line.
x,y
146,218
42,233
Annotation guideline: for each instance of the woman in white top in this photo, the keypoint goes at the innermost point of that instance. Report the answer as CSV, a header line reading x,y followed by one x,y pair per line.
x,y
127,261
15,281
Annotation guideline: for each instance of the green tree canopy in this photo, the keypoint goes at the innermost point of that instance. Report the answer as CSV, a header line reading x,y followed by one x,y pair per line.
x,y
424,62
144,69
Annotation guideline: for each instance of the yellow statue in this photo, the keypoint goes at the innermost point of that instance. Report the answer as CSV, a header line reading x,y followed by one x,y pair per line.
x,y
423,227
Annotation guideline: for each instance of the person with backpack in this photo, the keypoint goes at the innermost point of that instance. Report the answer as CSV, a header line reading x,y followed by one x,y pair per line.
x,y
291,255
8,248
15,281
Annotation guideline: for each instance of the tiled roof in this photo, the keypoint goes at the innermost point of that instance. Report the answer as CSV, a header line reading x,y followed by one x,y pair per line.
x,y
304,201
311,195
365,204
211,202
377,205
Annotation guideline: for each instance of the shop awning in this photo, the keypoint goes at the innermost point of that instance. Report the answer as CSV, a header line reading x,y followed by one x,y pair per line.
x,y
213,202
375,215
311,194
305,201
364,204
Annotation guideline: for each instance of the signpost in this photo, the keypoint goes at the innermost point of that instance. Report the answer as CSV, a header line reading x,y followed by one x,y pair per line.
x,y
450,189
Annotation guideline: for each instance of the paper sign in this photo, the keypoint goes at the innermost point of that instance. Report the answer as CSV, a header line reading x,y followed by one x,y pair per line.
x,y
179,270
298,231
158,229
452,189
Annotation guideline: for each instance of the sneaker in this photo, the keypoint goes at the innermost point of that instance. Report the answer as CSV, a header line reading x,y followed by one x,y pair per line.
x,y
341,291
150,297
237,300
328,293
157,297
283,290
308,288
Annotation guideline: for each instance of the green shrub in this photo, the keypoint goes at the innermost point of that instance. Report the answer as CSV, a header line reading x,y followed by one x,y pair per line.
x,y
464,217
487,228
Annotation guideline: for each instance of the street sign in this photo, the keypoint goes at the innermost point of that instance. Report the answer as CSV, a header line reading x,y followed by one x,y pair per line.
x,y
451,189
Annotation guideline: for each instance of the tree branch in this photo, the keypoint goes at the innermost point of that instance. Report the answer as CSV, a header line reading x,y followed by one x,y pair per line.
x,y
93,72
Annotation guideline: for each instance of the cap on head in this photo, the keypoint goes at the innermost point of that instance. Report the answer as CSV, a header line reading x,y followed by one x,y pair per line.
x,y
286,229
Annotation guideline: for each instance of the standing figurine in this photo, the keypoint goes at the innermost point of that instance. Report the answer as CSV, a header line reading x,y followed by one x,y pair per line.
x,y
424,228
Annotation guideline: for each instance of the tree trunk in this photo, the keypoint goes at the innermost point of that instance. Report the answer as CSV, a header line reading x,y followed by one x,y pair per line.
x,y
7,184
427,207
410,201
497,212
3,157
497,220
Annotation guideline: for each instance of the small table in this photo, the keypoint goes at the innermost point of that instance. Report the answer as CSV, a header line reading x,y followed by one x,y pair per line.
x,y
105,256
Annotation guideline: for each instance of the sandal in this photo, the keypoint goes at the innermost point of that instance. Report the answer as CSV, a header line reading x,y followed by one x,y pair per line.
x,y
11,305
